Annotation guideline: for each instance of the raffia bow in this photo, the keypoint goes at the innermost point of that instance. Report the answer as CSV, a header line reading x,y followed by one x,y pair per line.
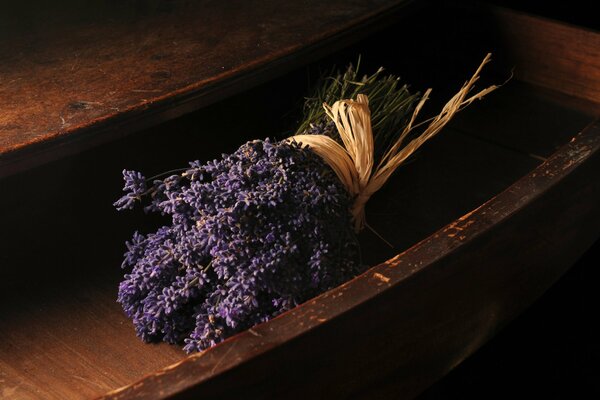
x,y
354,161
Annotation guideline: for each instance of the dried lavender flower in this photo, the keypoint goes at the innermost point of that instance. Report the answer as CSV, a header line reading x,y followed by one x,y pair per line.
x,y
135,187
251,235
257,232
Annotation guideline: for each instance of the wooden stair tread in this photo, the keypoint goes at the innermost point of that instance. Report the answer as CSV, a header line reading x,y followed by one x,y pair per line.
x,y
71,87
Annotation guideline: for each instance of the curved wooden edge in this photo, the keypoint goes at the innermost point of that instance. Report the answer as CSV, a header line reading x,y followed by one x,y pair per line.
x,y
150,110
200,368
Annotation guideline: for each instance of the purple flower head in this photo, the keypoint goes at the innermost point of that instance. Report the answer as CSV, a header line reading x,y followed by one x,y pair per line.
x,y
134,188
250,235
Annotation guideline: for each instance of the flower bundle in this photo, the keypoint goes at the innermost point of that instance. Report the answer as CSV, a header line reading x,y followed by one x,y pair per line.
x,y
257,232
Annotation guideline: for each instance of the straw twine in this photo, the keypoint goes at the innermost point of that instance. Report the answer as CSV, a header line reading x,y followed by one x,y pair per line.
x,y
354,161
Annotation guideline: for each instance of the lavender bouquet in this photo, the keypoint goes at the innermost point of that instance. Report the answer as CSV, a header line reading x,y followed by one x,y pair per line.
x,y
259,231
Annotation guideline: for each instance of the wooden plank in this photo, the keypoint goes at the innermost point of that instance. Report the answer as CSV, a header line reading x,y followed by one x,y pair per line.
x,y
550,53
69,339
65,90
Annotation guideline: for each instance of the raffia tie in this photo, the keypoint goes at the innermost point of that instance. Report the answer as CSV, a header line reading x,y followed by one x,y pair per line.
x,y
353,162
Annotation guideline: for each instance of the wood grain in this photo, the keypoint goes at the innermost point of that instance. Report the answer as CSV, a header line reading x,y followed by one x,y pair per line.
x,y
58,342
550,53
68,89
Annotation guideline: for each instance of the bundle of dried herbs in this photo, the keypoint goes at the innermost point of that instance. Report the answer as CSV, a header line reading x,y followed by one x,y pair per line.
x,y
259,231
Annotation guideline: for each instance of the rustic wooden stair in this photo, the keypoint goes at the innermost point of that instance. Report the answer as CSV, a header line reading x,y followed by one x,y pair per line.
x,y
75,86
492,212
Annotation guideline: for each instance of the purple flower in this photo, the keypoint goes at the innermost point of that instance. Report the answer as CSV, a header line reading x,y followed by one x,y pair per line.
x,y
135,187
250,235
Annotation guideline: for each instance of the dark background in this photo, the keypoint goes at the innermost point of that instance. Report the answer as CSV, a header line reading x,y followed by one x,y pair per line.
x,y
552,351
578,12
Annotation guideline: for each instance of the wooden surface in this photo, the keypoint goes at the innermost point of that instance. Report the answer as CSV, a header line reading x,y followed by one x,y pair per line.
x,y
69,340
565,58
74,86
414,317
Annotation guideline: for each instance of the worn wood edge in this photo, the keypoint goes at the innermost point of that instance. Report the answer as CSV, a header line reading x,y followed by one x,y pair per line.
x,y
550,53
199,94
391,273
